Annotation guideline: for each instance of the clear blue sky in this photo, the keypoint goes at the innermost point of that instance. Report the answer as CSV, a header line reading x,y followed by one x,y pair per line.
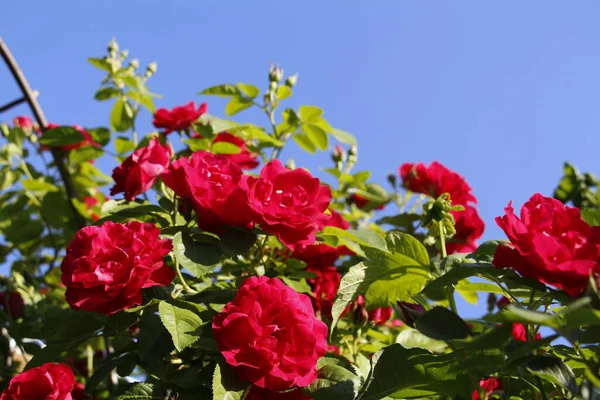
x,y
502,92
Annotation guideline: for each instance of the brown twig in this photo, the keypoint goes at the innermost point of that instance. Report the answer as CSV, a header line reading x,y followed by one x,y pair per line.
x,y
41,120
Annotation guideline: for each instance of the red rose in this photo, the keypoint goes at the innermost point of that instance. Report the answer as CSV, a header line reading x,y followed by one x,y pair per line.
x,y
244,158
50,381
503,302
320,254
139,171
258,393
178,118
519,332
469,227
489,385
87,138
107,266
23,122
436,180
361,202
325,286
270,335
550,243
290,203
12,302
211,183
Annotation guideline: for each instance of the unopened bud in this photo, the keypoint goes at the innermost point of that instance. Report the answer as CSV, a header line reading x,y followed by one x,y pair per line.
x,y
134,64
392,179
491,302
124,54
290,164
275,73
151,69
273,86
410,313
292,80
113,48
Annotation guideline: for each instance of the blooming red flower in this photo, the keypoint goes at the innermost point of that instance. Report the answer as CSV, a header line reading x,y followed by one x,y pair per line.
x,y
50,381
211,183
550,243
270,336
436,180
244,158
469,227
178,118
139,171
489,385
325,286
519,332
87,139
258,393
107,266
12,302
23,122
361,202
320,254
289,203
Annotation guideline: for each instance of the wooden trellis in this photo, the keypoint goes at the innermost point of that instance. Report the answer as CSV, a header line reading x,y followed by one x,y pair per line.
x,y
31,100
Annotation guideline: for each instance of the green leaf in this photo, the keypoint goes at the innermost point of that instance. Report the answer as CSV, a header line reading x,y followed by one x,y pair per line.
x,y
405,244
413,338
303,140
226,90
224,148
237,241
226,385
591,216
516,314
458,273
123,145
154,341
106,93
121,116
365,238
85,154
100,63
249,90
39,185
198,257
299,286
100,135
485,252
442,324
259,134
405,220
553,370
283,92
403,373
183,325
333,381
236,105
61,136
310,113
343,136
107,365
316,135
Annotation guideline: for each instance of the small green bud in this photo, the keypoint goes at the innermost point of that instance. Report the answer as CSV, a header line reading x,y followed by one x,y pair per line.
x,y
273,86
134,64
113,48
124,54
393,180
275,73
290,164
292,80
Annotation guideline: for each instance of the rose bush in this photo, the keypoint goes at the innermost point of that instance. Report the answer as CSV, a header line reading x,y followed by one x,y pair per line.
x,y
219,270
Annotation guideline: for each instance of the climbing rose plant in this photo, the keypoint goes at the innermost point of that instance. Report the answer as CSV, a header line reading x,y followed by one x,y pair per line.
x,y
219,269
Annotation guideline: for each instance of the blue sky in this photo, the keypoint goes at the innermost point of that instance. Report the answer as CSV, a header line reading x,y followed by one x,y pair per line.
x,y
502,92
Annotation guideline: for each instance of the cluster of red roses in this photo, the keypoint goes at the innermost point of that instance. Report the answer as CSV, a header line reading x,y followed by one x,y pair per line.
x,y
27,124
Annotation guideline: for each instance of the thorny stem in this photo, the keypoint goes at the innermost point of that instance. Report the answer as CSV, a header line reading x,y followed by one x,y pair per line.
x,y
112,377
175,262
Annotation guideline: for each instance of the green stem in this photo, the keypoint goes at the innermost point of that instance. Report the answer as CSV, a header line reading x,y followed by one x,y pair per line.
x,y
112,376
449,289
175,262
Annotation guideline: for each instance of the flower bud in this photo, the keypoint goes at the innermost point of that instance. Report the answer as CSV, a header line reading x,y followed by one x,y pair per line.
x,y
124,54
338,156
292,80
272,86
290,164
410,313
491,302
275,73
134,64
393,180
113,48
